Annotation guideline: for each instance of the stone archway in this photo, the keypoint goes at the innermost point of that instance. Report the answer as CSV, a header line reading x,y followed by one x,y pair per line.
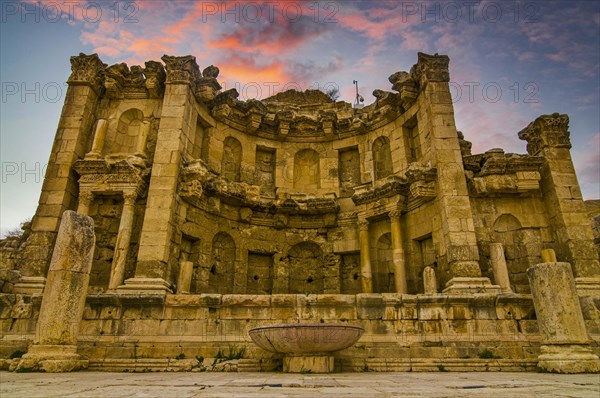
x,y
222,268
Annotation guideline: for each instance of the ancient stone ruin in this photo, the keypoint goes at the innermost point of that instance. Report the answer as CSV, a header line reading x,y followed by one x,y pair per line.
x,y
202,217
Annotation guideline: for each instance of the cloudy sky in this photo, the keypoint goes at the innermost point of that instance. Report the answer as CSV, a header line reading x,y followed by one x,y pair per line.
x,y
510,61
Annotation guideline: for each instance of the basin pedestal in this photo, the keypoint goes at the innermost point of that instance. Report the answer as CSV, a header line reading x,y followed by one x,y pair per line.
x,y
308,364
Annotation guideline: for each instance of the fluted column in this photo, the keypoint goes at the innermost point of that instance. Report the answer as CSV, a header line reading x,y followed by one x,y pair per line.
x,y
85,200
398,252
117,273
366,276
99,136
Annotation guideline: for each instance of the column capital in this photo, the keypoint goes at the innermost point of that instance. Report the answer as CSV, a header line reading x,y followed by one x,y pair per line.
x,y
431,68
363,225
181,70
547,131
129,197
394,214
87,70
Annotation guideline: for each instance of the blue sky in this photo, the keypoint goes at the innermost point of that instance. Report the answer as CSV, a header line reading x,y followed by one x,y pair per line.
x,y
510,61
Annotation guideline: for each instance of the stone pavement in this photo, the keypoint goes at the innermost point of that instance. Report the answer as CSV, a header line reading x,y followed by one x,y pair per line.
x,y
263,385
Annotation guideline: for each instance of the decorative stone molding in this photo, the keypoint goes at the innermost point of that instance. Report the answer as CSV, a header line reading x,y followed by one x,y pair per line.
x,y
87,70
547,131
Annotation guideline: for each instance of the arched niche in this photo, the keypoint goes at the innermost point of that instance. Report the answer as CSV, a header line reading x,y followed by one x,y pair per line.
x,y
522,248
383,268
306,268
125,137
306,169
222,268
232,159
382,158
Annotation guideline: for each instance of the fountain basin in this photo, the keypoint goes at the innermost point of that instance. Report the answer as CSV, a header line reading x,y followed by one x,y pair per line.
x,y
307,347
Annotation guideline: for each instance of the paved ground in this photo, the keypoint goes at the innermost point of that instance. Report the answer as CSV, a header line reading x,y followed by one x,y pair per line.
x,y
263,385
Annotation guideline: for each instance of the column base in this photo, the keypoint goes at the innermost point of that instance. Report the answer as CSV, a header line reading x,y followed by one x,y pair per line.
x,y
30,285
52,359
588,286
308,364
571,358
466,285
145,286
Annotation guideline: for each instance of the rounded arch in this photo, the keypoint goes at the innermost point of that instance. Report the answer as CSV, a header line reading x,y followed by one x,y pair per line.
x,y
382,157
222,269
232,159
506,223
125,137
307,173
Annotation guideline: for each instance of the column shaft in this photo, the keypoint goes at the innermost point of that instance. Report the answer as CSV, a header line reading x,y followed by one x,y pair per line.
x,y
123,239
366,276
398,253
99,135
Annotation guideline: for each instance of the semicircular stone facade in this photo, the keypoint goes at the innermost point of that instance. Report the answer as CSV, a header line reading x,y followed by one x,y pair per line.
x,y
218,204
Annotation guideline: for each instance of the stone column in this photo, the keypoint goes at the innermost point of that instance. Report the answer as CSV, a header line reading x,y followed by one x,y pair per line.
x,y
366,277
398,253
185,277
117,273
59,190
548,136
143,139
429,281
99,136
499,267
565,342
459,255
55,345
85,200
177,123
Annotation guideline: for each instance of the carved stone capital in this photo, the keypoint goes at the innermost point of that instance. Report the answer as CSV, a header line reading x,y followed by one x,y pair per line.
x,y
129,197
547,131
431,68
394,214
181,70
87,70
155,79
363,225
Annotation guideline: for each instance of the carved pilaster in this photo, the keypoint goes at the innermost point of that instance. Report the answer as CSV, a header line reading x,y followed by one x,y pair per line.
x,y
87,70
547,131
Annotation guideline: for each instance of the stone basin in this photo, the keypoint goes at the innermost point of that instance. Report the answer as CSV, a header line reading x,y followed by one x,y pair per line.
x,y
307,347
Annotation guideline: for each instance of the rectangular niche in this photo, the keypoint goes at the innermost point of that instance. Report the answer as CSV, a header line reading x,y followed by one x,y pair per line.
x,y
106,211
410,131
190,250
260,277
265,169
349,170
350,273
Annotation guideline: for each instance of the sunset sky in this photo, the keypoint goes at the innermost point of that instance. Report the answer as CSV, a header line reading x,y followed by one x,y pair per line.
x,y
509,62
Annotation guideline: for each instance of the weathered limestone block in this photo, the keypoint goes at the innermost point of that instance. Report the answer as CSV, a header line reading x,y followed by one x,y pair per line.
x,y
55,345
564,336
185,277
